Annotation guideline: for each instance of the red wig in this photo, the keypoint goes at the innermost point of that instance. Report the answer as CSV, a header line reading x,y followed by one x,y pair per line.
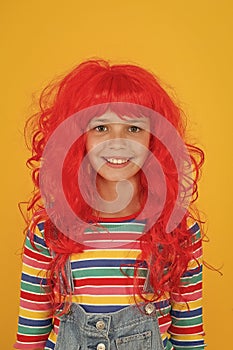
x,y
96,82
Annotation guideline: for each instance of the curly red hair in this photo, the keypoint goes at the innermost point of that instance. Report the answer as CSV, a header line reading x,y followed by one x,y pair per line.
x,y
96,82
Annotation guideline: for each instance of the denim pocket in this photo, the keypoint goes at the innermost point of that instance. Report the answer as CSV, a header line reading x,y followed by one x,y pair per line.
x,y
137,341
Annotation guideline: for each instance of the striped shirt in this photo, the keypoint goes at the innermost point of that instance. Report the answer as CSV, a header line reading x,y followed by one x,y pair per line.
x,y
102,283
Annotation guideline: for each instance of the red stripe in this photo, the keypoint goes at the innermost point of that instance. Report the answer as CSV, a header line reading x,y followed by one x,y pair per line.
x,y
34,297
103,281
34,263
37,256
164,319
32,338
197,245
56,321
190,289
186,330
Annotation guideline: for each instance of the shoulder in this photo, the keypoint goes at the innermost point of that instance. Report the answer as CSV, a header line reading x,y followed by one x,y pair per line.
x,y
35,238
196,242
194,229
37,232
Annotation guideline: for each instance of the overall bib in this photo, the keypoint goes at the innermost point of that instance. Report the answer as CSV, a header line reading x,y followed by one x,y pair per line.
x,y
134,327
128,329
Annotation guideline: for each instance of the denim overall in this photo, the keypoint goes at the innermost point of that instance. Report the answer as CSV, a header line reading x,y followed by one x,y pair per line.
x,y
131,328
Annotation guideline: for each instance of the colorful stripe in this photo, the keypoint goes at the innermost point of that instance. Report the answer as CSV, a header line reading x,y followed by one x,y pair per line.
x,y
103,282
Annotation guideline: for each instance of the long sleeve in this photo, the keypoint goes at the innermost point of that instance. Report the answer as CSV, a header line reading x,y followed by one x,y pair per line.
x,y
35,322
186,330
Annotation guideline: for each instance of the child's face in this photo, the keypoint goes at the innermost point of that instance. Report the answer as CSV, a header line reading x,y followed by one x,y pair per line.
x,y
118,147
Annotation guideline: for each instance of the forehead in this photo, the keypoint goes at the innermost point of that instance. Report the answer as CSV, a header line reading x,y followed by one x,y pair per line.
x,y
113,118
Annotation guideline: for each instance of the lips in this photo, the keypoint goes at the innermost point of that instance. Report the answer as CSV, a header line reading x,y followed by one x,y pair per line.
x,y
117,161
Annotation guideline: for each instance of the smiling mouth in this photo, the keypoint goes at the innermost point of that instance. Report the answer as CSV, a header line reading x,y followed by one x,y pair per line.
x,y
117,161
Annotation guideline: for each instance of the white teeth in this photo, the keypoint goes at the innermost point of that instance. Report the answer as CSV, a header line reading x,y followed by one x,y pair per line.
x,y
117,161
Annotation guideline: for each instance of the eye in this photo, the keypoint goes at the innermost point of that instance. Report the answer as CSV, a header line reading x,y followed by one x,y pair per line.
x,y
134,129
101,128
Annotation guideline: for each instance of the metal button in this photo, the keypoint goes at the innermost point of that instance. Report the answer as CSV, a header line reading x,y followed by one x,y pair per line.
x,y
149,308
100,346
100,325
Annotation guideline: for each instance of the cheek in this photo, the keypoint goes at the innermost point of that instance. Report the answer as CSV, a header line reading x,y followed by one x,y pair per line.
x,y
148,143
94,150
92,146
89,144
90,150
145,143
148,140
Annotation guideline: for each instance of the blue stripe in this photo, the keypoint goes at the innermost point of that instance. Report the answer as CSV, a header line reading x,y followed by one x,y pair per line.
x,y
165,343
49,345
102,308
193,272
114,308
136,221
188,344
34,323
187,314
33,280
41,226
162,304
120,221
37,240
195,228
102,263
40,241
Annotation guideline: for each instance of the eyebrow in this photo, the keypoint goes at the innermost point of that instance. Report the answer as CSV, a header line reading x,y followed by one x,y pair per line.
x,y
129,121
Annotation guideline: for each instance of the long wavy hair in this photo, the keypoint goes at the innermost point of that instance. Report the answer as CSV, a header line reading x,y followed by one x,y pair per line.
x,y
97,82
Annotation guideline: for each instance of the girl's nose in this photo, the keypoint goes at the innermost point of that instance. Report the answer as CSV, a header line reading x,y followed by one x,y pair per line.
x,y
117,143
117,131
117,137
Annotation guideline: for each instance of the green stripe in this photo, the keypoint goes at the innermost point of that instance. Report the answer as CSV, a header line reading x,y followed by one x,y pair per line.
x,y
196,236
35,288
103,272
34,330
186,281
169,345
163,312
114,227
40,248
194,321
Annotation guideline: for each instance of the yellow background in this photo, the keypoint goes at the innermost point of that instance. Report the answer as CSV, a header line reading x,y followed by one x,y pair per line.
x,y
187,44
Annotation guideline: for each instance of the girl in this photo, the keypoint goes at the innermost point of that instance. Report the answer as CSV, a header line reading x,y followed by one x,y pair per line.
x,y
103,265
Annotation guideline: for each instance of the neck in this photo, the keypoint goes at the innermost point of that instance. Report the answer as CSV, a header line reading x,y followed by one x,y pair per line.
x,y
114,204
